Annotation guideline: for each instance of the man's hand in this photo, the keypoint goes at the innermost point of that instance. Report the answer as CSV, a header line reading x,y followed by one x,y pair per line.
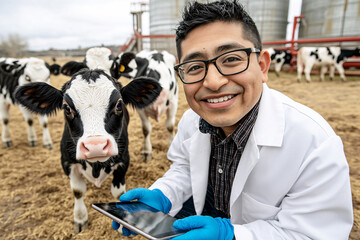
x,y
154,198
205,227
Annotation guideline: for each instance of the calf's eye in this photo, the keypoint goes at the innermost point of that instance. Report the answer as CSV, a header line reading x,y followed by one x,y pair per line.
x,y
27,78
67,110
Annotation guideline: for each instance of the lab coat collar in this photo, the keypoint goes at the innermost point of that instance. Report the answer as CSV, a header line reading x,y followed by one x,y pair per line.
x,y
270,124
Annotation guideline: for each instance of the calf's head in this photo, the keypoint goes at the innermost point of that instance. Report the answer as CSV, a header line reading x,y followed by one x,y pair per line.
x,y
99,58
35,70
131,66
94,106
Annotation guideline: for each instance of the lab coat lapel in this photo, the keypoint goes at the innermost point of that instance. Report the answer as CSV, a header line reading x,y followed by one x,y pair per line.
x,y
248,160
199,168
268,131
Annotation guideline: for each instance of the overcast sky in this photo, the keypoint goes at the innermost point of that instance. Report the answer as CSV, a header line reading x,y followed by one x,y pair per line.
x,y
65,24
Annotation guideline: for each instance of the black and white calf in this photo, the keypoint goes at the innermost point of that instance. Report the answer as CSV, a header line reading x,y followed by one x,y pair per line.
x,y
279,58
18,72
54,69
95,138
95,58
159,66
324,57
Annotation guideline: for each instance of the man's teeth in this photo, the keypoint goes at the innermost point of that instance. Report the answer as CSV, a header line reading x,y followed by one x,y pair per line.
x,y
221,99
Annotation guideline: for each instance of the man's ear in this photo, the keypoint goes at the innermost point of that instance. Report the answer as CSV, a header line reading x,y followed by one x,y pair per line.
x,y
39,97
141,92
264,63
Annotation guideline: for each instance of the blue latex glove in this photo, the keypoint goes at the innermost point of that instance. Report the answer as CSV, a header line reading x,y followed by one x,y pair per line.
x,y
205,227
154,198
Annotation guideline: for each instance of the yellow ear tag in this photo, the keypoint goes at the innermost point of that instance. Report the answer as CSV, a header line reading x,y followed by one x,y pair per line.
x,y
122,68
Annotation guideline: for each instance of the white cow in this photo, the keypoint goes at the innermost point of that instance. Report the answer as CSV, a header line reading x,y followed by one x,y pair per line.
x,y
14,73
324,57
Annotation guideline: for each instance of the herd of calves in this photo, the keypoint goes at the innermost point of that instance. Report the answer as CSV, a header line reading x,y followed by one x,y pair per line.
x,y
308,57
95,140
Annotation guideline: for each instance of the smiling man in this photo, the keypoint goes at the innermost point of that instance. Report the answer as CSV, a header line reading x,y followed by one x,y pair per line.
x,y
248,162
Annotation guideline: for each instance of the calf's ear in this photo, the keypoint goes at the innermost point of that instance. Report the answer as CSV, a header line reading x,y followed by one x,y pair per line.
x,y
72,67
115,69
39,97
357,51
141,92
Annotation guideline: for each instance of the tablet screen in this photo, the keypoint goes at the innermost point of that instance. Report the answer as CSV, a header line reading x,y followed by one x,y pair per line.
x,y
140,218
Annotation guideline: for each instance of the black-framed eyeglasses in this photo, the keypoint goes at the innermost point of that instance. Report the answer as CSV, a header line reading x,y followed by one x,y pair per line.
x,y
228,63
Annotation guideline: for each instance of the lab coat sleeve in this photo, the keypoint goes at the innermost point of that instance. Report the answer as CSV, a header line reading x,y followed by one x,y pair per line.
x,y
319,204
176,182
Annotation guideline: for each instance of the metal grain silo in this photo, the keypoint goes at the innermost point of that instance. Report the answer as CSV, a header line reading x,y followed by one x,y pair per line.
x,y
331,18
270,17
164,16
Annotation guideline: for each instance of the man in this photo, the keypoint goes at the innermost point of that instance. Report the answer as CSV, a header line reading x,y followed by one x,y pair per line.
x,y
248,162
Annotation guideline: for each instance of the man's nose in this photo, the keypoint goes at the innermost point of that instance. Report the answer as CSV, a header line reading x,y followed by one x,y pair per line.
x,y
214,80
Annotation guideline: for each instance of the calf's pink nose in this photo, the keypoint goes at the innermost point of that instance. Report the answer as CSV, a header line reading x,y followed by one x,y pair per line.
x,y
96,147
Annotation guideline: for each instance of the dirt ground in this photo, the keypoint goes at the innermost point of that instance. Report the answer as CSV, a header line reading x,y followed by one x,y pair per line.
x,y
36,200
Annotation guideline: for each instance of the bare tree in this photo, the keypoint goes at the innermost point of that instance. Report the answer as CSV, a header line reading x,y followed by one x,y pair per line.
x,y
13,46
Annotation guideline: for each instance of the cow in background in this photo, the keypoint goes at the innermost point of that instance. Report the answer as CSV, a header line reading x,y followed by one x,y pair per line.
x,y
324,57
95,140
159,66
279,58
54,68
18,72
95,58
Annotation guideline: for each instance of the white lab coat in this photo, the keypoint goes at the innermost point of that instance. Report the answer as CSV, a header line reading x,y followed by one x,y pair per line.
x,y
292,181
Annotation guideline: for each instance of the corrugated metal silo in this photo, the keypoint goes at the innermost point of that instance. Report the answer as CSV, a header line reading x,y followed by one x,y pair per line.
x,y
270,17
164,17
332,18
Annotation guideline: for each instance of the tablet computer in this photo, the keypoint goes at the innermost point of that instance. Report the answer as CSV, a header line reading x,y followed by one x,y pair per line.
x,y
140,218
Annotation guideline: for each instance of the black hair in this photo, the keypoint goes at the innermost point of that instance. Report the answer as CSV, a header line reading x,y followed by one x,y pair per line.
x,y
196,14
